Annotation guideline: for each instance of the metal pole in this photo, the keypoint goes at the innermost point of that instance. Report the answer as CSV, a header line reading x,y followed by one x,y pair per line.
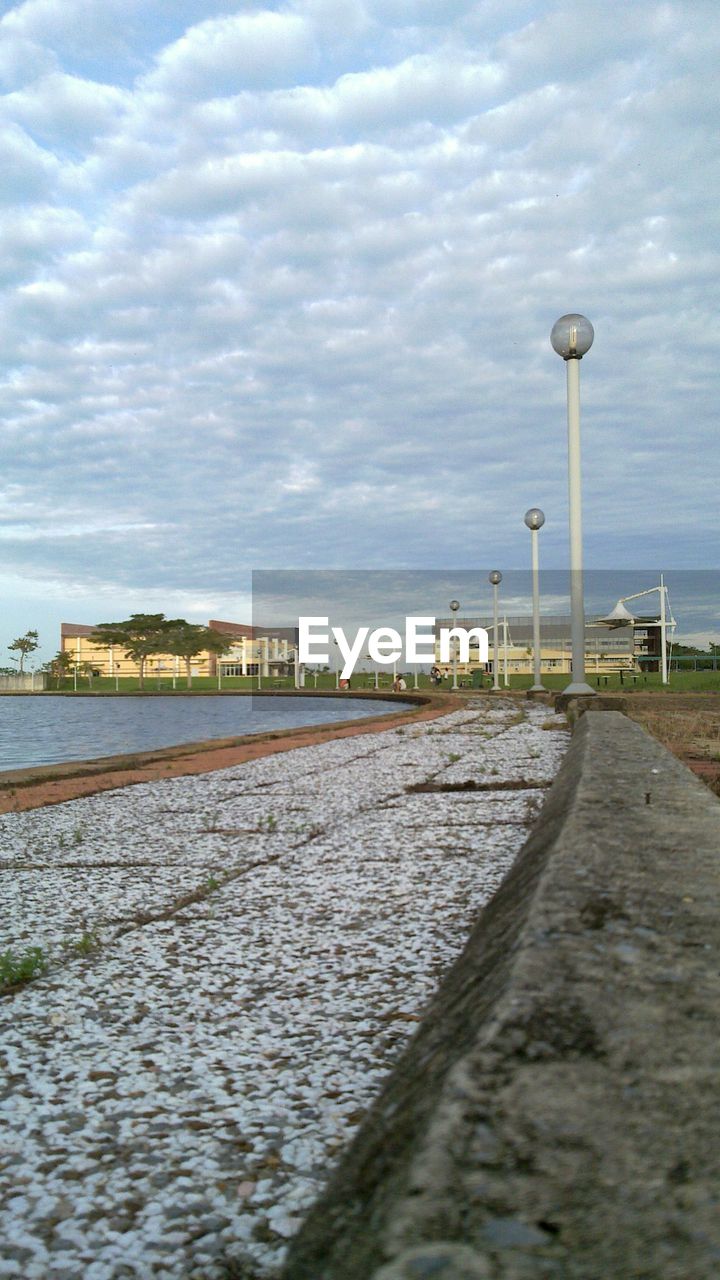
x,y
496,643
538,686
577,606
663,633
454,606
506,678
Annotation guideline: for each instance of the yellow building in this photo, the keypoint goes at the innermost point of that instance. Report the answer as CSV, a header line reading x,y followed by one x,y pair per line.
x,y
605,651
252,648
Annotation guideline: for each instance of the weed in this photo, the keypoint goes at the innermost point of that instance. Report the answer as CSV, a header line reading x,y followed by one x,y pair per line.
x,y
454,757
211,883
533,807
271,822
88,942
24,967
61,841
518,718
78,835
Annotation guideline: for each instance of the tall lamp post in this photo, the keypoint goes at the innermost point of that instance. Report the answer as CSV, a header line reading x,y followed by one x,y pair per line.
x,y
572,337
495,577
535,519
454,605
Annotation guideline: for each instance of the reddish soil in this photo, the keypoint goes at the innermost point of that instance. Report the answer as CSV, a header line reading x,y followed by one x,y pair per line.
x,y
688,724
32,788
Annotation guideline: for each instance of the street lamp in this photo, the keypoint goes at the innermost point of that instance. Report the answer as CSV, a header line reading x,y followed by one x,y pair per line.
x,y
495,577
572,337
260,643
535,519
454,605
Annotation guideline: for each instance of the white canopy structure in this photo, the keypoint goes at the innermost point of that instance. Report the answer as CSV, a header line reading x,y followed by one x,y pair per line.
x,y
619,616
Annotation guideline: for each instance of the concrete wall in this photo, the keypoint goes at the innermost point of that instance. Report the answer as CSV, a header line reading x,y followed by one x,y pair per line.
x,y
557,1114
26,683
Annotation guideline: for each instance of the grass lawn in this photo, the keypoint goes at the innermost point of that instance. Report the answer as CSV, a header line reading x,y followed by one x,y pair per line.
x,y
680,682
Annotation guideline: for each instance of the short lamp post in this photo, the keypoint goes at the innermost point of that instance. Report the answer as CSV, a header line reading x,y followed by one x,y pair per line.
x,y
535,519
572,337
454,605
495,577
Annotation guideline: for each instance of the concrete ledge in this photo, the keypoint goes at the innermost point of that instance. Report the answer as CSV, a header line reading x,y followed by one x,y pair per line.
x,y
574,705
557,1114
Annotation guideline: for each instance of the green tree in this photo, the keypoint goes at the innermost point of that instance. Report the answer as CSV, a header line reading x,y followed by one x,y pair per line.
x,y
24,645
140,635
59,666
187,640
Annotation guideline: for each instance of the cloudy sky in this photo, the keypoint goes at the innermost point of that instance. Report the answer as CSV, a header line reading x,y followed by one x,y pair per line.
x,y
277,286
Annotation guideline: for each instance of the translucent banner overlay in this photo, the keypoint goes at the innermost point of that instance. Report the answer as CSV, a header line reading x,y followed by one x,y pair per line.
x,y
386,598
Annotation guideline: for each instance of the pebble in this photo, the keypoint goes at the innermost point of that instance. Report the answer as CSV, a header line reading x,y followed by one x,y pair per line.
x,y
186,1086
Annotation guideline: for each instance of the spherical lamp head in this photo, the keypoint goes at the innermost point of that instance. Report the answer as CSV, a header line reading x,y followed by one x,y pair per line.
x,y
454,605
535,518
495,577
572,336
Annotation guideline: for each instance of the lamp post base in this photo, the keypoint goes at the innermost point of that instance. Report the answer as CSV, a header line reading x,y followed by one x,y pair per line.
x,y
579,689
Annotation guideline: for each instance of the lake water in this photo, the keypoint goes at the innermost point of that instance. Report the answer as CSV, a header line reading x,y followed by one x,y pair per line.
x,y
41,729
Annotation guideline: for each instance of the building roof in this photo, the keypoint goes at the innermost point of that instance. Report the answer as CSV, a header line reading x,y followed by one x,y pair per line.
x,y
553,628
237,629
68,629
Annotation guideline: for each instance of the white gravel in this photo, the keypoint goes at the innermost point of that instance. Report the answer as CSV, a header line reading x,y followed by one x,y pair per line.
x,y
172,1101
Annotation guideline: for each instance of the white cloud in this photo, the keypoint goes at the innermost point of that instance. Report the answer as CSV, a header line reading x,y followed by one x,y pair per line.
x,y
66,108
224,55
28,171
72,28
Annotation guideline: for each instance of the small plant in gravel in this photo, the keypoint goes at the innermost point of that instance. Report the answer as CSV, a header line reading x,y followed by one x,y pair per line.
x,y
271,822
518,718
454,757
78,835
24,967
212,883
88,942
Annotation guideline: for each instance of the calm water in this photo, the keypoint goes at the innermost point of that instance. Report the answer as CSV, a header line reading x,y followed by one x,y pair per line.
x,y
45,730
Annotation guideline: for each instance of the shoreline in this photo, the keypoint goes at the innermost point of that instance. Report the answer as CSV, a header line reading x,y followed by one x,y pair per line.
x,y
41,785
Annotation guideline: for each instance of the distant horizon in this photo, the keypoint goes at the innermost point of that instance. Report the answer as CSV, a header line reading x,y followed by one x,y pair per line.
x,y
694,597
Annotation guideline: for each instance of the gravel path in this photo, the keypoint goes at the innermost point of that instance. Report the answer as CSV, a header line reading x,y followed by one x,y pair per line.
x,y
260,943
